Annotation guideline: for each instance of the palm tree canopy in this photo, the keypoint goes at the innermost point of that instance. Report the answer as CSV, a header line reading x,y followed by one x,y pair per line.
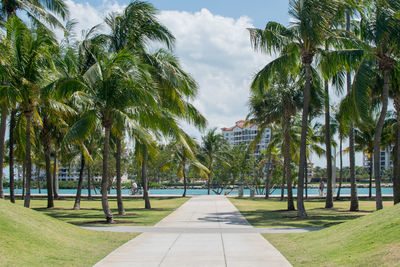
x,y
37,10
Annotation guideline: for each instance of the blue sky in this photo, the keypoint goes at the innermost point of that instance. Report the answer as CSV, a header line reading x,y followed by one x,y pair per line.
x,y
260,11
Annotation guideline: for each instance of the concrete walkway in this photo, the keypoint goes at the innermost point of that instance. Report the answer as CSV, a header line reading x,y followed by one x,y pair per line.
x,y
197,247
155,229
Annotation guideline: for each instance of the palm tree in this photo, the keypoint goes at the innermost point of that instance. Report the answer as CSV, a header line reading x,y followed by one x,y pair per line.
x,y
279,102
135,27
396,167
184,151
37,11
112,85
297,44
213,148
30,53
131,30
377,54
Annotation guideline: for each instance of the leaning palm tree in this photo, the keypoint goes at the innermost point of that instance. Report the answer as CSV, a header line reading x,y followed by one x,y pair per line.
x,y
279,102
296,45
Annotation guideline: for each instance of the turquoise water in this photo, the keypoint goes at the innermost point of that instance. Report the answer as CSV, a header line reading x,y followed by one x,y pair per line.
x,y
311,192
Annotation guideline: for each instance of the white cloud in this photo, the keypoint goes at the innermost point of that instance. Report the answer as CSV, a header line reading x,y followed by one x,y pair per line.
x,y
216,51
88,16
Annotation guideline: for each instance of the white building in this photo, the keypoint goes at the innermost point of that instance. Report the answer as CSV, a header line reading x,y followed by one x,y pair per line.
x,y
72,174
385,157
244,134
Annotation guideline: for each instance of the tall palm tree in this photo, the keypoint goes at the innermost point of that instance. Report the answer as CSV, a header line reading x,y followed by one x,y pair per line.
x,y
279,102
112,85
396,167
297,45
31,54
39,12
131,30
377,52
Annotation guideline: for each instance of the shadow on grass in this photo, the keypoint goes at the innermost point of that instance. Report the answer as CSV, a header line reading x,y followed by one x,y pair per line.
x,y
95,216
273,218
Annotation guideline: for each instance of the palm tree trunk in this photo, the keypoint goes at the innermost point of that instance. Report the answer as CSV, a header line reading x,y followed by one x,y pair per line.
x,y
89,173
146,198
55,174
353,181
396,167
11,154
283,185
28,159
370,176
341,167
104,179
377,139
306,176
23,180
184,179
3,126
38,179
301,211
77,205
287,159
46,144
329,193
208,183
121,210
267,173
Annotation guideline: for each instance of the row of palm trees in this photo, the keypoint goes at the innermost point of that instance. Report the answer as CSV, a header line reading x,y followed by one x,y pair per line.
x,y
341,44
87,96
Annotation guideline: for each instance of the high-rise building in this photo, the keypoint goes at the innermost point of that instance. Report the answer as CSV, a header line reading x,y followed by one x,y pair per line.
x,y
244,134
385,160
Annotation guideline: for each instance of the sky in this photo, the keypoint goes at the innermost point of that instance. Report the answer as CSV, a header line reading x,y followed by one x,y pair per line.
x,y
213,45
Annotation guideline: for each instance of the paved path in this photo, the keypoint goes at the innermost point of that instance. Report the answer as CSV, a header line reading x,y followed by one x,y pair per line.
x,y
155,229
200,248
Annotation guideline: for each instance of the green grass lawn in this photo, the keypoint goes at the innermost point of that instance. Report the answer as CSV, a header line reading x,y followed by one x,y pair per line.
x,y
91,212
272,213
372,240
31,238
364,238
